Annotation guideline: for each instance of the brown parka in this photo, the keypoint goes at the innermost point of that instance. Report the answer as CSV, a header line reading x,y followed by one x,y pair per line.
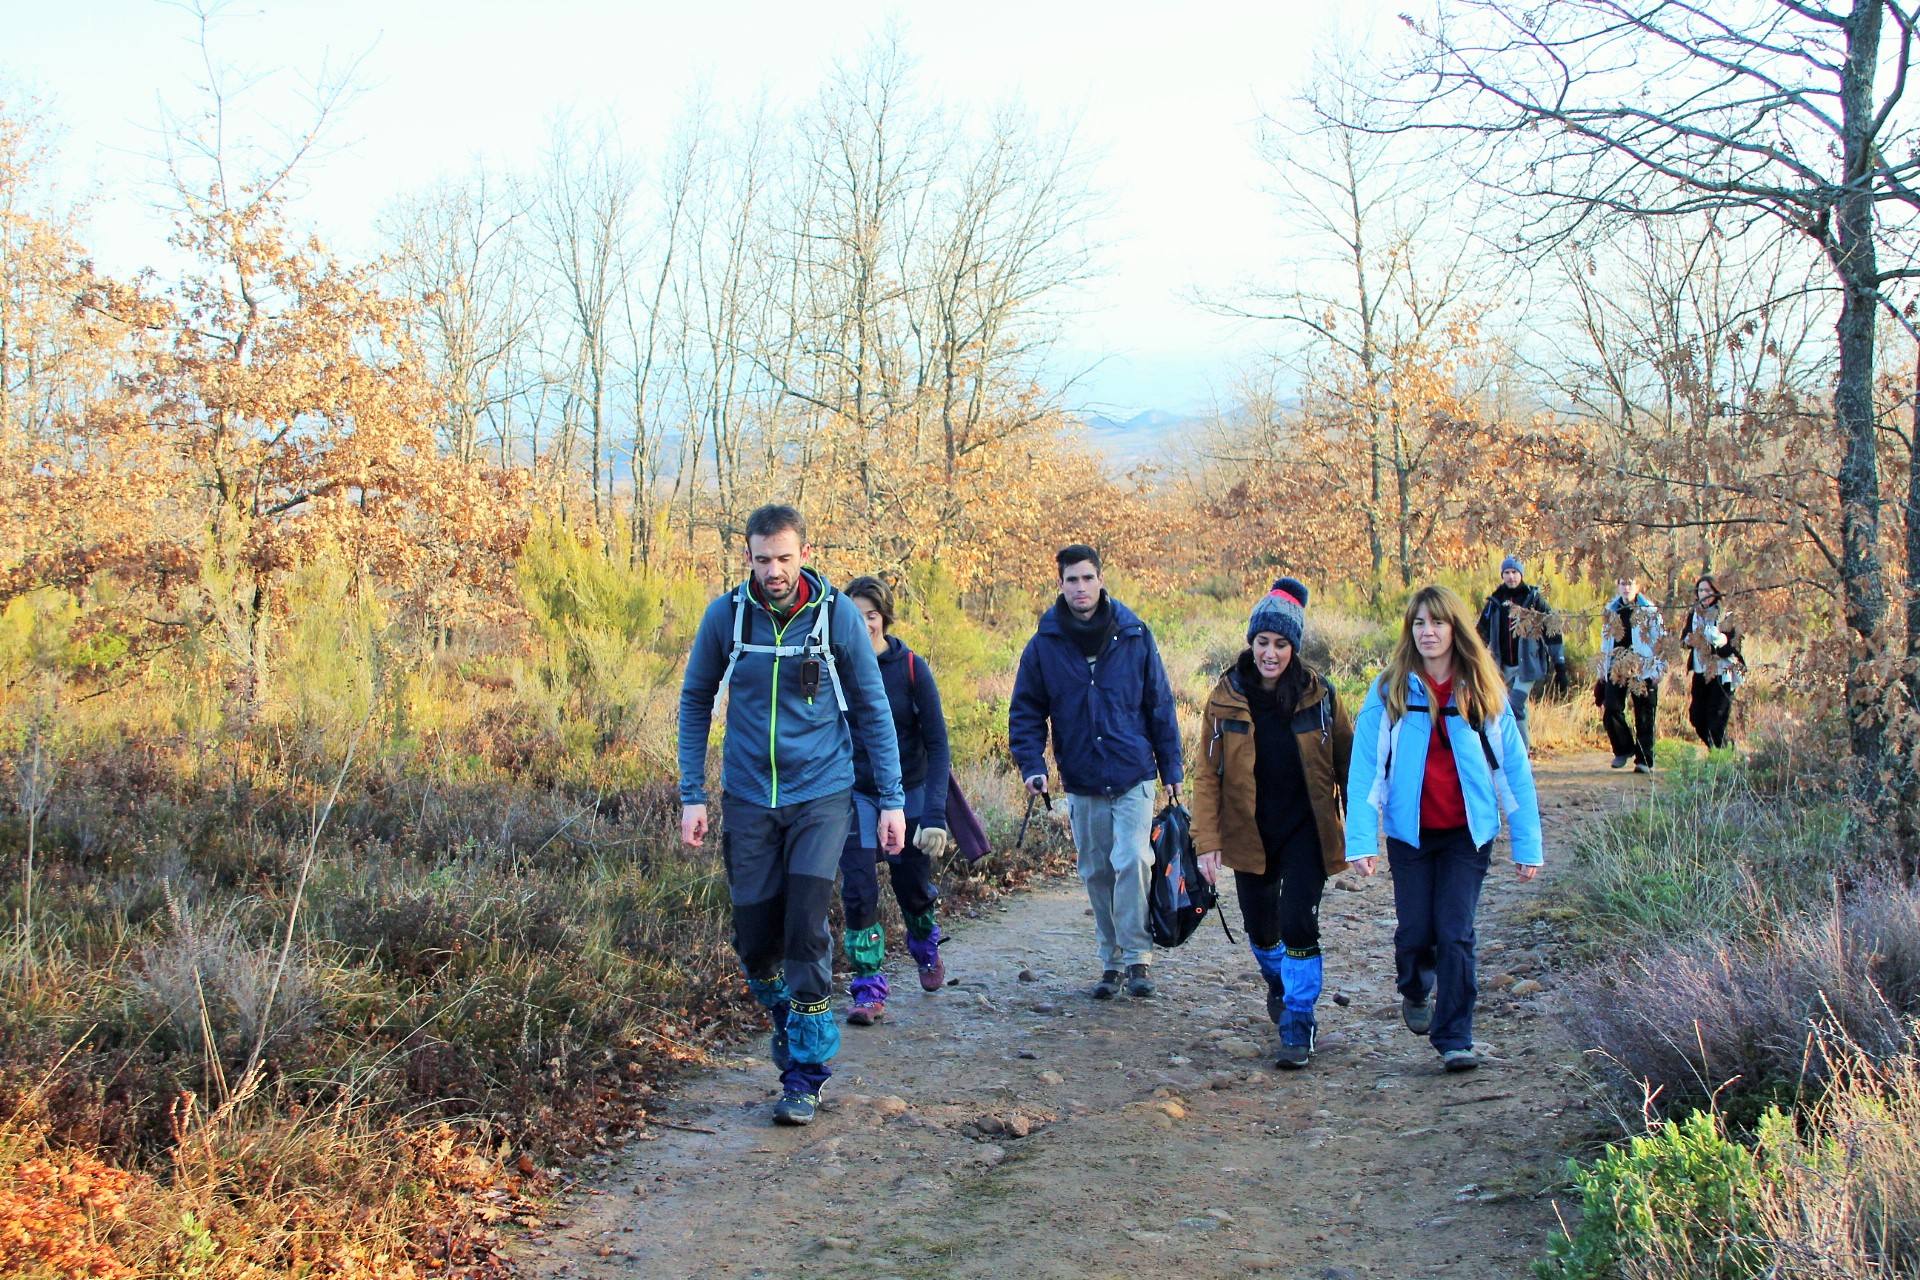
x,y
1224,799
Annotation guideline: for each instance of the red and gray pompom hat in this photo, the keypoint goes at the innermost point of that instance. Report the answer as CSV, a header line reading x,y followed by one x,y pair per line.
x,y
1282,611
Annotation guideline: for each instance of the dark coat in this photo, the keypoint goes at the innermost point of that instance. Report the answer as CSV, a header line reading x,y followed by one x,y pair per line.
x,y
1537,655
921,727
1113,726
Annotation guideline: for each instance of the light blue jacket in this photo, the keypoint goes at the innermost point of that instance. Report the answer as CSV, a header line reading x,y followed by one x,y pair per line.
x,y
1390,763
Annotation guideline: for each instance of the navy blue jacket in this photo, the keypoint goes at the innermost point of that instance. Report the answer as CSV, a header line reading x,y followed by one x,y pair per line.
x,y
1113,726
921,727
783,747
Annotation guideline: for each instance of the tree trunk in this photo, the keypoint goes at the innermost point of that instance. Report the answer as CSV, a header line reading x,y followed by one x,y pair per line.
x,y
1855,262
1909,827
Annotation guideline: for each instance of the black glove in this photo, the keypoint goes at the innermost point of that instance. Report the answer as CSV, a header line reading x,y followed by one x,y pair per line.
x,y
1561,683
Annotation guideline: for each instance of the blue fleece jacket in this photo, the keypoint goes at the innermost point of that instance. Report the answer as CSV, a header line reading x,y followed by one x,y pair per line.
x,y
1387,796
783,747
1114,723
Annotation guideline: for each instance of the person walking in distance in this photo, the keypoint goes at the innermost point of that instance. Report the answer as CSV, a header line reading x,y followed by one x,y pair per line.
x,y
920,728
1268,796
1524,659
1630,671
1438,762
803,684
1092,674
1713,658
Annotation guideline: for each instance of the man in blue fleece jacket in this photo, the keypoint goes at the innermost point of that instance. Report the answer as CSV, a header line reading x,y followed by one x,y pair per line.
x,y
801,681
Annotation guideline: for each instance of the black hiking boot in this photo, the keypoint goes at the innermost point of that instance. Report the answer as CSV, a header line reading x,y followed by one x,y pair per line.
x,y
1109,985
1139,983
796,1108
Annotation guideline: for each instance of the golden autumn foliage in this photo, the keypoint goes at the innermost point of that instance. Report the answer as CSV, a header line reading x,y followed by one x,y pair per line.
x,y
58,1211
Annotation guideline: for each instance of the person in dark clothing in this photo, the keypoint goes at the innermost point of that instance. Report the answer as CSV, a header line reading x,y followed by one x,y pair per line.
x,y
1268,801
1093,673
1630,672
1524,659
921,728
1713,649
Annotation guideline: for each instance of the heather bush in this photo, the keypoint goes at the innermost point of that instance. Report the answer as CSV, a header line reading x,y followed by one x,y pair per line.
x,y
1737,1021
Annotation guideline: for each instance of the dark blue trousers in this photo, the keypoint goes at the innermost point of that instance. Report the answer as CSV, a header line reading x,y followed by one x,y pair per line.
x,y
1436,895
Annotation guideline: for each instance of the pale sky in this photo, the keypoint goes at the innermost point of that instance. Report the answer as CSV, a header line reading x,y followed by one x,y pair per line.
x,y
1164,97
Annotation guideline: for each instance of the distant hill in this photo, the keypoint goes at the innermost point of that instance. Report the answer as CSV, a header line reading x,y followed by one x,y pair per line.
x,y
1139,438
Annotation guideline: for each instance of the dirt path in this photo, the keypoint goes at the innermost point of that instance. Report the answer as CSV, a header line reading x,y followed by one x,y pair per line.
x,y
1158,1137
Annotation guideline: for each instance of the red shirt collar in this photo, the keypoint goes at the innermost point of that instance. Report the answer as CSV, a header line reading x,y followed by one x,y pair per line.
x,y
801,594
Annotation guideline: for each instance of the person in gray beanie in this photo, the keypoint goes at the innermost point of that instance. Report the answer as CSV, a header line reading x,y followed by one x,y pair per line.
x,y
1524,660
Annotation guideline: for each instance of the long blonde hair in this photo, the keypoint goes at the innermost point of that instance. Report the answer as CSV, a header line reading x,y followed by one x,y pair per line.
x,y
1479,690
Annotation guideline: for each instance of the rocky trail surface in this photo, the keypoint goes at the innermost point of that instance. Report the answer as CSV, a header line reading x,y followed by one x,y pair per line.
x,y
1012,1126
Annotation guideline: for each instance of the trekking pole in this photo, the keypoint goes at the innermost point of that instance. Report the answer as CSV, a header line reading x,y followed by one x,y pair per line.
x,y
1042,795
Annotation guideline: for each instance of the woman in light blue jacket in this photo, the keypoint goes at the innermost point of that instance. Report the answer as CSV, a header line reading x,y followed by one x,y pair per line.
x,y
1438,786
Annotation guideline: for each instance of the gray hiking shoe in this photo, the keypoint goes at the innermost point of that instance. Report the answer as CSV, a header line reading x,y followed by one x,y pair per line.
x,y
1417,1014
1109,985
1459,1060
1620,762
1139,983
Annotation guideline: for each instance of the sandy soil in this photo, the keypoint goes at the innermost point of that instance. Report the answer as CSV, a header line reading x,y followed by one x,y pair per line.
x,y
1012,1126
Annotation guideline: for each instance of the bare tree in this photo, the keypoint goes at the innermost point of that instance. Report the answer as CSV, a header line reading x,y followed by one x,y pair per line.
x,y
460,254
1013,240
1696,365
585,218
1582,111
1385,267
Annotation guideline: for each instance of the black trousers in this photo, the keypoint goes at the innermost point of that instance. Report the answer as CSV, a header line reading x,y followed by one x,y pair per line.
x,y
1638,740
910,871
1709,708
1282,903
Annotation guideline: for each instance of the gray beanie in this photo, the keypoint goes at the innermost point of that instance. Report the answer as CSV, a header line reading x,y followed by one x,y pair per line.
x,y
1513,563
1282,611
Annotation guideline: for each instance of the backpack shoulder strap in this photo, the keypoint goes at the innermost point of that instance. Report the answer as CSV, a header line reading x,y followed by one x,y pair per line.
x,y
820,645
910,661
1486,743
739,628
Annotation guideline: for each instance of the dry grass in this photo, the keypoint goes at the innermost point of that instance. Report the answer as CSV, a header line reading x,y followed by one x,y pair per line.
x,y
1846,1203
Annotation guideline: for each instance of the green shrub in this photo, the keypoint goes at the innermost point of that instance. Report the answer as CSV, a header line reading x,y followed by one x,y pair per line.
x,y
1678,1203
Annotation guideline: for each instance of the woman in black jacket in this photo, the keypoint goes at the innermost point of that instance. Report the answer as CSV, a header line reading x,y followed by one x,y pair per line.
x,y
924,764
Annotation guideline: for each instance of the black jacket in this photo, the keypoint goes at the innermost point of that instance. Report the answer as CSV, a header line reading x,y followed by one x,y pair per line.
x,y
921,727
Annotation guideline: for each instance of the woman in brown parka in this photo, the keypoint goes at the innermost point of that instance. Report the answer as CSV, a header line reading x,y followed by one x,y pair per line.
x,y
1268,801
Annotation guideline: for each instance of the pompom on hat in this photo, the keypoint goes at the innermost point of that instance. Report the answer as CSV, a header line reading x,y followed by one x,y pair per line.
x,y
1282,611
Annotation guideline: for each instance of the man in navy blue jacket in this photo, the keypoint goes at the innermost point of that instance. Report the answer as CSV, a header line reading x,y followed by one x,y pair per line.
x,y
802,681
1093,672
